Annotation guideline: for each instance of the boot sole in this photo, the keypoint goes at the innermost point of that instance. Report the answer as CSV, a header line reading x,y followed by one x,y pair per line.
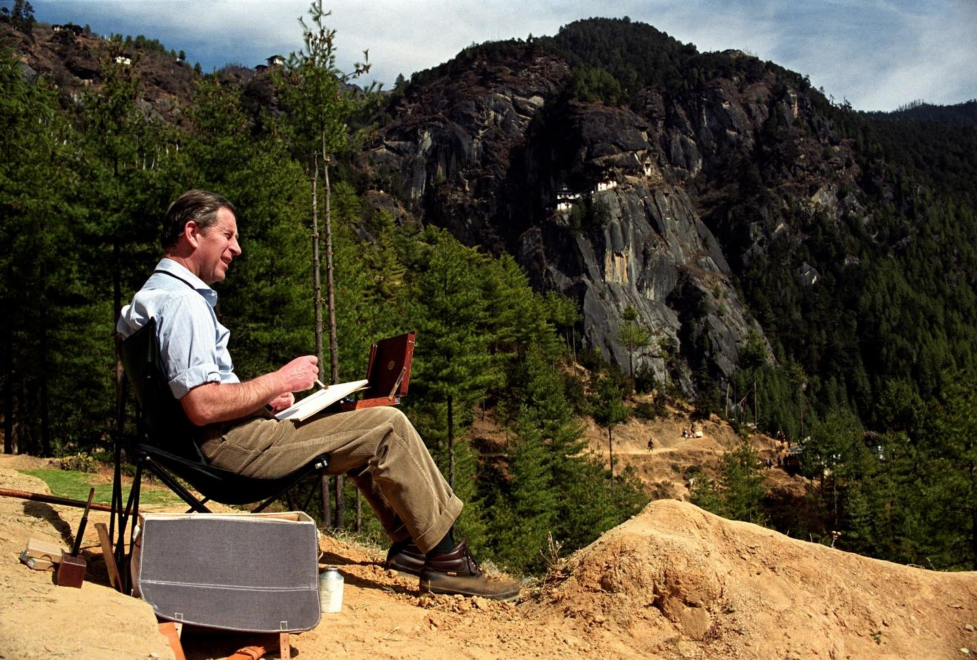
x,y
442,591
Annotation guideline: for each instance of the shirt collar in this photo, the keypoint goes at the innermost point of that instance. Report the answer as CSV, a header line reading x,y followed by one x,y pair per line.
x,y
181,272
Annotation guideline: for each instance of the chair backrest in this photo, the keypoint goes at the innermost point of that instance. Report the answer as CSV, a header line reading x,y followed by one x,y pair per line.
x,y
167,426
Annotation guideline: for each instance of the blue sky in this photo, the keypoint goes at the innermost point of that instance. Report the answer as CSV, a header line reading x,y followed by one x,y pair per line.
x,y
878,54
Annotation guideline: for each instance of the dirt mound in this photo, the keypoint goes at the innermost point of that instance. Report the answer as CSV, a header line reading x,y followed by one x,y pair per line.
x,y
677,581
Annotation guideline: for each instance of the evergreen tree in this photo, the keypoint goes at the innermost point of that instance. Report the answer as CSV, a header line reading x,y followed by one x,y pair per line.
x,y
607,406
952,444
125,191
265,302
738,491
564,313
42,289
22,17
524,518
452,362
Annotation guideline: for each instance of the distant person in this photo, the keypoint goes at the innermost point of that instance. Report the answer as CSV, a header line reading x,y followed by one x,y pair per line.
x,y
378,447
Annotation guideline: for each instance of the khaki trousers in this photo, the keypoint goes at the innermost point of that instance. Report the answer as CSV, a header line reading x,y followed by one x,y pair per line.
x,y
401,481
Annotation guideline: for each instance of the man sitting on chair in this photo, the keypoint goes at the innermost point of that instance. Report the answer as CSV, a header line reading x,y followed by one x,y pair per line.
x,y
378,447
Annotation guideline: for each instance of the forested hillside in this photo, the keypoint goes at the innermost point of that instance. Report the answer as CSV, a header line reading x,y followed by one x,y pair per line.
x,y
748,245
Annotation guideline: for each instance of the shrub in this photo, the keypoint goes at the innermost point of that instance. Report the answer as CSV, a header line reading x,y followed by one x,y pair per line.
x,y
80,463
645,410
644,379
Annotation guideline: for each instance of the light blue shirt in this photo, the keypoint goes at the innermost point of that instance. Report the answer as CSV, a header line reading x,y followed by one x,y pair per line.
x,y
193,343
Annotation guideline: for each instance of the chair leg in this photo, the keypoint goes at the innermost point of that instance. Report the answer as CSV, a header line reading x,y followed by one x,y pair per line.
x,y
177,487
316,488
120,522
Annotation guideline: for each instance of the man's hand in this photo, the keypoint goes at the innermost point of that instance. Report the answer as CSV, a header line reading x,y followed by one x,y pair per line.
x,y
222,402
281,402
300,374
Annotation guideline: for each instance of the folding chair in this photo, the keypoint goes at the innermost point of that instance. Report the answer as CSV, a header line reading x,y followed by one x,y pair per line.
x,y
161,423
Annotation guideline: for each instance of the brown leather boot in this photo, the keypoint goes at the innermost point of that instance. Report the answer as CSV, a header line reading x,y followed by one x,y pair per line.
x,y
409,559
457,572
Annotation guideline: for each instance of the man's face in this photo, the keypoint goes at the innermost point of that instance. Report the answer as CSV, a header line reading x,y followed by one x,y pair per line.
x,y
216,247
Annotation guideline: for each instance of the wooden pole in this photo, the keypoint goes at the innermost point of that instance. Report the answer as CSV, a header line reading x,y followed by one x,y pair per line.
x,y
51,499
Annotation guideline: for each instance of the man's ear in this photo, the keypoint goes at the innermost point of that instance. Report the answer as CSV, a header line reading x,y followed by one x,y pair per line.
x,y
192,231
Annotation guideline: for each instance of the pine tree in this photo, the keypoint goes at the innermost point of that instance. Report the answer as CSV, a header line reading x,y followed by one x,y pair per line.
x,y
741,484
50,341
265,301
737,492
953,475
452,362
564,313
607,404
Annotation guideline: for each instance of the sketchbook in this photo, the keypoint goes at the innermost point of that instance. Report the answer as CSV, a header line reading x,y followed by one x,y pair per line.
x,y
313,403
387,378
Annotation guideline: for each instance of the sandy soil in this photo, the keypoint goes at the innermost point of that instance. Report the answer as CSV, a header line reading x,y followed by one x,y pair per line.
x,y
673,582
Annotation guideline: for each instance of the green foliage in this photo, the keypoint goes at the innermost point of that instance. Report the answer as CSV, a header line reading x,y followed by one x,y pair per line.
x,y
82,462
614,59
608,409
595,84
46,296
738,491
448,309
652,410
632,335
645,380
589,215
607,402
309,84
564,313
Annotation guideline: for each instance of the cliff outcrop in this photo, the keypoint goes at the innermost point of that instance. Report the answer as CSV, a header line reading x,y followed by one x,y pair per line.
x,y
621,205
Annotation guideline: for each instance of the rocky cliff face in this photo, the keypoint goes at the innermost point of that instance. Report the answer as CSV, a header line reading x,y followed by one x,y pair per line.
x,y
604,204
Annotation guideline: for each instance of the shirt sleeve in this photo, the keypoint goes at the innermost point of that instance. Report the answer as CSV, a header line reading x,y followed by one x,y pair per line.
x,y
187,331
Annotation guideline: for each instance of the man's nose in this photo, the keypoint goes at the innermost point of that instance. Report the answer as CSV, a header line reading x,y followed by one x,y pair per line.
x,y
235,247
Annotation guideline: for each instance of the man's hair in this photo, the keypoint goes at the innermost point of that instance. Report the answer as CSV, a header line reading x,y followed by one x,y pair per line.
x,y
197,205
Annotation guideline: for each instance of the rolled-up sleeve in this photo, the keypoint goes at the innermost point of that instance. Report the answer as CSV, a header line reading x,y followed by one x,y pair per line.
x,y
188,343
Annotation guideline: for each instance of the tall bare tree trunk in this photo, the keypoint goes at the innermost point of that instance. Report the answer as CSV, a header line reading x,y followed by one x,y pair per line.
x,y
451,443
316,277
8,391
43,386
330,286
333,338
117,343
317,306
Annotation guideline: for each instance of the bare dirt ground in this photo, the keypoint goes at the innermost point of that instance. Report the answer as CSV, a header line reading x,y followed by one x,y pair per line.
x,y
673,582
665,468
